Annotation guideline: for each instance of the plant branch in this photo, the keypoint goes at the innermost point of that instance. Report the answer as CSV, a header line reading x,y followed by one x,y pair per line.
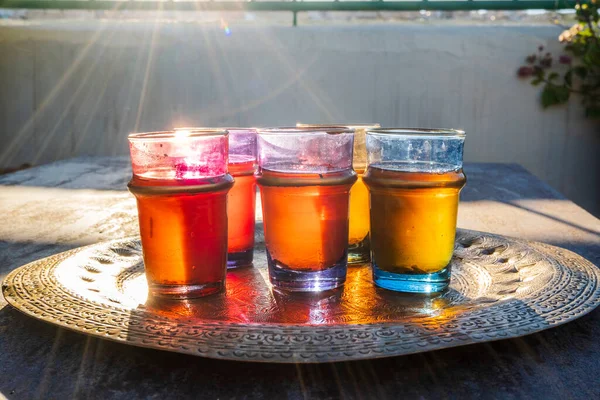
x,y
568,87
584,43
589,23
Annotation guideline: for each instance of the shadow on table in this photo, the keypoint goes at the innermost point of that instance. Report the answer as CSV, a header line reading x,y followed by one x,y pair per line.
x,y
99,173
504,183
14,254
513,185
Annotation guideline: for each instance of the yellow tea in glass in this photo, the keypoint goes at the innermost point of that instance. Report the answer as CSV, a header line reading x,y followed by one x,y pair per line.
x,y
414,179
358,231
305,176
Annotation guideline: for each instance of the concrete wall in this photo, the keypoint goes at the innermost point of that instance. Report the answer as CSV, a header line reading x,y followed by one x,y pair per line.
x,y
78,88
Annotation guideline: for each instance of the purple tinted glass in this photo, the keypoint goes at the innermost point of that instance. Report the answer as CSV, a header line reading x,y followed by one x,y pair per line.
x,y
305,150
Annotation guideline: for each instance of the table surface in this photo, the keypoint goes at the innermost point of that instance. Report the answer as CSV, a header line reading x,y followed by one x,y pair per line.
x,y
56,207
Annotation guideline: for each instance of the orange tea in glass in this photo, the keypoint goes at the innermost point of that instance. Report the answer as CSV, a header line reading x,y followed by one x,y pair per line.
x,y
305,176
180,182
241,200
358,232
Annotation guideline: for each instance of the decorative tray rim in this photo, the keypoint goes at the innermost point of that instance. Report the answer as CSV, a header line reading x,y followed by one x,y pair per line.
x,y
242,348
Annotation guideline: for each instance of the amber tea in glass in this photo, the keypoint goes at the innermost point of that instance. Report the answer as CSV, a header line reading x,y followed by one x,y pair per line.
x,y
180,182
358,231
305,176
414,178
241,200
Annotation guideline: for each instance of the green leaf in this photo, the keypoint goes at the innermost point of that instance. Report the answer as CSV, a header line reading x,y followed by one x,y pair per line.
x,y
548,97
578,49
569,78
539,73
592,55
552,76
592,112
552,95
580,71
562,93
536,82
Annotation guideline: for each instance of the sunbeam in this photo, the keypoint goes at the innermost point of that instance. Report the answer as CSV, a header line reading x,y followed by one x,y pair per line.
x,y
219,80
50,362
82,136
19,139
289,65
148,69
296,76
81,372
131,92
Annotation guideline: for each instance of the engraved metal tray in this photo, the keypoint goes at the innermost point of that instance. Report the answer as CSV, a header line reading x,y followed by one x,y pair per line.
x,y
500,288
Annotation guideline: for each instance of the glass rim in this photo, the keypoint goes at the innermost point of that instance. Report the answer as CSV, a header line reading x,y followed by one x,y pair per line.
x,y
427,132
188,128
329,130
373,125
161,135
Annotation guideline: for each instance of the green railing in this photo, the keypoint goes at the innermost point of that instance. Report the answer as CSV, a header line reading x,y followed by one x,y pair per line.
x,y
293,5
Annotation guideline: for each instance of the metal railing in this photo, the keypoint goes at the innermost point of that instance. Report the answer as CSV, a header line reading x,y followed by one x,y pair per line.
x,y
293,6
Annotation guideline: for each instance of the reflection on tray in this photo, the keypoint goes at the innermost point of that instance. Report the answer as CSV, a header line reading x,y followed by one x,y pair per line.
x,y
249,298
113,274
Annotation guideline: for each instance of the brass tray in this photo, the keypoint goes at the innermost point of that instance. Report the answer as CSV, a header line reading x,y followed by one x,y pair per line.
x,y
500,288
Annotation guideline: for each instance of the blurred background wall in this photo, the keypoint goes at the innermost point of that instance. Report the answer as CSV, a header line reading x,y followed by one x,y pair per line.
x,y
78,88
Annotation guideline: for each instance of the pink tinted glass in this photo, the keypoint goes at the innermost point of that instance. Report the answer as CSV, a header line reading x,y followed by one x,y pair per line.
x,y
179,155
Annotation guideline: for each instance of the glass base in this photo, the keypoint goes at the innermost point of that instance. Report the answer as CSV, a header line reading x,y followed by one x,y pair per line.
x,y
282,277
240,259
360,253
185,291
412,283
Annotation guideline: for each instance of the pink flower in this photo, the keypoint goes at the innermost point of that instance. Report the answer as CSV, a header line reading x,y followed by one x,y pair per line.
x,y
565,60
524,72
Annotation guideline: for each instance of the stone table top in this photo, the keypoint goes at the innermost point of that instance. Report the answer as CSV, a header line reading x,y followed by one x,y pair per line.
x,y
59,206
